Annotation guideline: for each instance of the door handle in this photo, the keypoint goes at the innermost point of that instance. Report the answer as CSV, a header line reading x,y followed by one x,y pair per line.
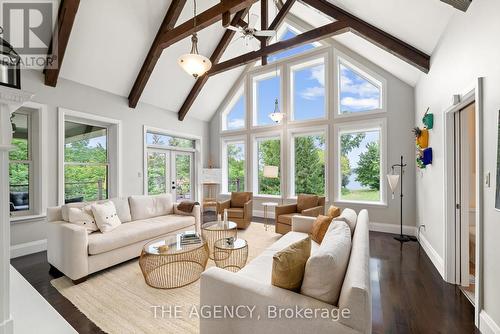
x,y
173,187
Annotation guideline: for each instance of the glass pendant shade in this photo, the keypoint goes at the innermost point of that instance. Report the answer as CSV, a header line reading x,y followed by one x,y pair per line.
x,y
276,116
393,180
194,63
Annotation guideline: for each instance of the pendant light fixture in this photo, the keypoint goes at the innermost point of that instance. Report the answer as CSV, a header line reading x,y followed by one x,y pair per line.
x,y
194,63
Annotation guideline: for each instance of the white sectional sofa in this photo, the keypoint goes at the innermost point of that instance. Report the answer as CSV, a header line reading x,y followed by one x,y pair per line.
x,y
76,254
252,287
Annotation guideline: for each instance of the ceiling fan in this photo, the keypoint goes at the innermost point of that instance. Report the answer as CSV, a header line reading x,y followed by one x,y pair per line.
x,y
249,34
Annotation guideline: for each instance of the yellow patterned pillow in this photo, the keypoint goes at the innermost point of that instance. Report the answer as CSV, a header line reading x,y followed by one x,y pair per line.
x,y
333,211
289,265
319,228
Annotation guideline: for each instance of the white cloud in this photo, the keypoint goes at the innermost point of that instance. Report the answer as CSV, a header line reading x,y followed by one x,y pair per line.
x,y
360,86
236,123
363,104
318,74
312,93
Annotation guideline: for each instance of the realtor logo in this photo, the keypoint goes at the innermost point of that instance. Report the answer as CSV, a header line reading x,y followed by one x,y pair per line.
x,y
28,27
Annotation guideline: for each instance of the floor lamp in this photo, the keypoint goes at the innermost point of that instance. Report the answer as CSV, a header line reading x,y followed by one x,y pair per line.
x,y
272,172
393,180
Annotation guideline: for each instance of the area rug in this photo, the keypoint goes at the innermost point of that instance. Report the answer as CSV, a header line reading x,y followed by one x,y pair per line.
x,y
118,300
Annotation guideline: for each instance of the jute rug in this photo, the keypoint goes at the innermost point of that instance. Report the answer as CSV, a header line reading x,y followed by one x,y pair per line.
x,y
118,300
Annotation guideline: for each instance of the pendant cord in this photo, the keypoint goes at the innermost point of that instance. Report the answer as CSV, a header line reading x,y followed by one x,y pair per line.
x,y
194,17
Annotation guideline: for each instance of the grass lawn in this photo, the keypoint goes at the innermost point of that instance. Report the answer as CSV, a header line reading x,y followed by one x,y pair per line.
x,y
361,195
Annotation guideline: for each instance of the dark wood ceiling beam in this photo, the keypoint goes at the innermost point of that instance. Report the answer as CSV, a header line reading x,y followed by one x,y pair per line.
x,y
263,26
173,13
203,20
328,30
280,17
386,41
214,58
60,38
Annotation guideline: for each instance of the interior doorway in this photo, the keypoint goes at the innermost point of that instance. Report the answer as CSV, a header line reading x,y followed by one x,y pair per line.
x,y
171,171
465,157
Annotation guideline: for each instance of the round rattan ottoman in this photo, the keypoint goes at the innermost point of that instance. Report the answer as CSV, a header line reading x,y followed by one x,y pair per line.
x,y
213,231
231,256
167,264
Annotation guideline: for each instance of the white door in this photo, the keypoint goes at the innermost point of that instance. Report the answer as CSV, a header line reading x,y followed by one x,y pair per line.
x,y
170,172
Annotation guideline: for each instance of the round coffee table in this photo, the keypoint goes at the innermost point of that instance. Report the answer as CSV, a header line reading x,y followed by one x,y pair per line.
x,y
167,264
231,256
213,231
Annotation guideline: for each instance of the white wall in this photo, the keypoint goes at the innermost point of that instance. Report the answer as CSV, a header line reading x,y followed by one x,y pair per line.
x,y
71,95
469,49
400,141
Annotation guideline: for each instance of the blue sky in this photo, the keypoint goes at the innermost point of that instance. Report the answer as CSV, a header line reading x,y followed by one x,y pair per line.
x,y
370,136
236,117
309,92
356,93
291,52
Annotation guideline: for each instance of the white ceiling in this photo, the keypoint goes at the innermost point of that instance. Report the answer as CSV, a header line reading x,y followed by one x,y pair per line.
x,y
111,38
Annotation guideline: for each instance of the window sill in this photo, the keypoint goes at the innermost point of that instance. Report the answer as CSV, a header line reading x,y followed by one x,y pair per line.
x,y
26,219
362,204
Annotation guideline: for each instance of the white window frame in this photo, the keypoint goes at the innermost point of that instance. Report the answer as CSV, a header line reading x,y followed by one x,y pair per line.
x,y
256,139
263,74
223,163
38,171
368,74
228,105
197,159
379,124
302,62
113,142
302,132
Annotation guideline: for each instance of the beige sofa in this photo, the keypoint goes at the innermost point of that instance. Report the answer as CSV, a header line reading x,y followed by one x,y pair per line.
x,y
252,287
75,253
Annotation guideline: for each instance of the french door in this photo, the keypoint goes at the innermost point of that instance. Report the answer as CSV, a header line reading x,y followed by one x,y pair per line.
x,y
171,171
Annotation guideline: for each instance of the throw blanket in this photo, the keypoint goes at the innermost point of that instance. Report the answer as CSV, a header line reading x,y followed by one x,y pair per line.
x,y
187,206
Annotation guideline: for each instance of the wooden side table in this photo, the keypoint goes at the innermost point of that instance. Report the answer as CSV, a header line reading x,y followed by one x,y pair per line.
x,y
266,206
231,256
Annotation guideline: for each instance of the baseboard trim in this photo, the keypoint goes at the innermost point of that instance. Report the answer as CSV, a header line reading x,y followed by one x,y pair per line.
x,y
487,325
392,228
436,260
28,248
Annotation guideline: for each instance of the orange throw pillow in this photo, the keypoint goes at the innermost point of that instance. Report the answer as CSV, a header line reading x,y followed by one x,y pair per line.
x,y
333,211
319,228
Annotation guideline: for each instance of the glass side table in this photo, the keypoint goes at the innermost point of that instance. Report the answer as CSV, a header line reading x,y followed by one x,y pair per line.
x,y
266,206
213,231
231,253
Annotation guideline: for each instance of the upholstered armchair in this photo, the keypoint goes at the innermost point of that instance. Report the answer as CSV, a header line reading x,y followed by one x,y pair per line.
x,y
307,205
239,208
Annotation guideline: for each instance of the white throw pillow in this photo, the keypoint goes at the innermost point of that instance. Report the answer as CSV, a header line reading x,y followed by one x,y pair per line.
x,y
105,216
65,209
83,217
326,268
150,206
350,217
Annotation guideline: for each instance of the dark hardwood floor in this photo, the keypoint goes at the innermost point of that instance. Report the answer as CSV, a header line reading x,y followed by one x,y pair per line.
x,y
409,295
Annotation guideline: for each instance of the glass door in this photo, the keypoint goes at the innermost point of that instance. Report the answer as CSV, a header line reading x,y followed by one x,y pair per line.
x,y
171,171
182,171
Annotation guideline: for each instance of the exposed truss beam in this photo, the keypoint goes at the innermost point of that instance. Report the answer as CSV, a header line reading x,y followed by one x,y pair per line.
x,y
263,26
314,35
60,38
375,35
173,13
214,58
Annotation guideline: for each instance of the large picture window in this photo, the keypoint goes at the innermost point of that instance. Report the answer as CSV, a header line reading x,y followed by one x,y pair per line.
x,y
308,90
309,163
360,163
358,91
266,88
85,162
234,168
267,156
21,165
233,117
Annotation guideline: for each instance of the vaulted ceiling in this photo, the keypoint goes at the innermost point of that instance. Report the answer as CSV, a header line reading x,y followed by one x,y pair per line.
x,y
110,40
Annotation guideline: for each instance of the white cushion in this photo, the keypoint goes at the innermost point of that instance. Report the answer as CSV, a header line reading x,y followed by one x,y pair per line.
x,y
105,216
122,209
325,269
65,209
144,207
135,231
348,216
83,217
